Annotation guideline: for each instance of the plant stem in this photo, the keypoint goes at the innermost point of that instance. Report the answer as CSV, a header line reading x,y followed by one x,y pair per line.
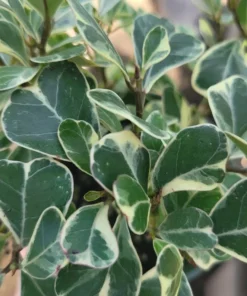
x,y
232,5
46,30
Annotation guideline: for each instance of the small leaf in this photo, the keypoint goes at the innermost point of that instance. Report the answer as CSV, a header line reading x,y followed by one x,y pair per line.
x,y
158,245
46,104
72,280
169,268
227,101
110,101
11,41
13,76
185,289
96,245
188,229
156,47
156,119
92,33
172,101
39,6
109,120
32,286
105,6
132,202
207,32
44,256
184,49
77,138
66,54
27,189
230,61
22,17
142,27
191,161
230,221
93,195
124,275
118,154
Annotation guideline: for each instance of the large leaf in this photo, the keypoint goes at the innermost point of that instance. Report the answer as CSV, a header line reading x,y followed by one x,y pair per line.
x,y
13,76
32,286
156,47
187,229
11,41
117,154
230,61
66,54
184,49
132,202
27,189
194,160
60,93
77,138
39,6
92,33
227,101
44,256
110,101
230,221
73,280
124,275
142,26
87,237
20,13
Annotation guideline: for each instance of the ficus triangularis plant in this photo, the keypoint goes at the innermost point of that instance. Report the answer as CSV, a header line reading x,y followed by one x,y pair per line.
x,y
97,152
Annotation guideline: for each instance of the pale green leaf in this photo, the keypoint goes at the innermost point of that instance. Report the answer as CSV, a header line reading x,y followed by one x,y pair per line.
x,y
11,41
110,101
77,138
227,101
87,237
194,160
13,76
124,275
93,34
93,195
66,54
142,26
169,268
59,93
39,6
31,286
188,229
159,245
230,221
27,189
22,17
156,47
105,6
44,255
184,49
109,120
133,202
117,154
207,32
230,61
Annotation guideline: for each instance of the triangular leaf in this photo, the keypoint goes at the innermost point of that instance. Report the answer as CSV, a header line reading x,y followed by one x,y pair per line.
x,y
110,101
117,154
52,6
44,255
191,161
27,189
132,202
188,229
77,138
96,245
46,105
